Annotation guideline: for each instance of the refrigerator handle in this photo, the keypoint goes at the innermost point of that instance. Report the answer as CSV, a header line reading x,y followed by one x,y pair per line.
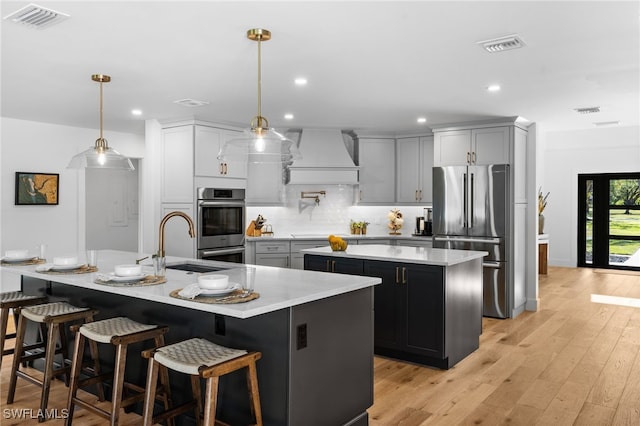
x,y
465,200
472,198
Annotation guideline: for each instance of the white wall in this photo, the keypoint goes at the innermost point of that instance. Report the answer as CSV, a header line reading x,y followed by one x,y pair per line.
x,y
614,149
27,146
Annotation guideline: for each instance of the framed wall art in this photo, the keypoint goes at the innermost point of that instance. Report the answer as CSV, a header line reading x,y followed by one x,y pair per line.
x,y
37,188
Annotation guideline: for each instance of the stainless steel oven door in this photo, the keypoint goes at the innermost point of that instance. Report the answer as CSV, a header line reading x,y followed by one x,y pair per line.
x,y
220,223
231,254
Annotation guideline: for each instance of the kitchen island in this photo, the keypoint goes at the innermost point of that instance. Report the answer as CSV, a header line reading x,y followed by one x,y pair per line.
x,y
315,332
428,308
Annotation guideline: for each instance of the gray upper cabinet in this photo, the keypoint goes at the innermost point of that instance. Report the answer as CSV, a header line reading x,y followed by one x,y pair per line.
x,y
208,141
177,164
414,161
377,170
482,146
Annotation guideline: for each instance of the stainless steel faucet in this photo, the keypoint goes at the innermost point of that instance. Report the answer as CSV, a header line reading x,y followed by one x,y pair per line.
x,y
163,222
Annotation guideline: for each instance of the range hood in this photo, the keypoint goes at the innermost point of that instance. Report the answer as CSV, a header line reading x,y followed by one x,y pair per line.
x,y
325,159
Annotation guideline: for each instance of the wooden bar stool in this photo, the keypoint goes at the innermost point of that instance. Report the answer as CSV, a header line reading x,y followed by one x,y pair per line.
x,y
53,315
15,301
200,359
120,332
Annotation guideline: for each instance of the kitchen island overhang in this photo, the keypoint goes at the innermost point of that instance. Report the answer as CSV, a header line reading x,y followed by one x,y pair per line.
x,y
315,331
428,308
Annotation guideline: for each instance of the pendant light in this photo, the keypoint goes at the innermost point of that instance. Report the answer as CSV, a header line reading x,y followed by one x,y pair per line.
x,y
260,143
100,155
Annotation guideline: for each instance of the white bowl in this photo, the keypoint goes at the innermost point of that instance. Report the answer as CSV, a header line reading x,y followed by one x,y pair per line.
x,y
213,282
65,260
16,254
127,270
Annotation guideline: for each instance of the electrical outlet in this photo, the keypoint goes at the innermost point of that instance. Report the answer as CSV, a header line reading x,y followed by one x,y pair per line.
x,y
301,338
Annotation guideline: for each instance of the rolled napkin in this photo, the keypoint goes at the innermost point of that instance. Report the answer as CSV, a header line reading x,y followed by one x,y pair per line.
x,y
190,291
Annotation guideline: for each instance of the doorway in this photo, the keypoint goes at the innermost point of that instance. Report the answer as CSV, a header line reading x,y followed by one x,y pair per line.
x,y
112,208
609,220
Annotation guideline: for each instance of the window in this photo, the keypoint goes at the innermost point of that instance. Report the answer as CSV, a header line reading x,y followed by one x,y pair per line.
x,y
609,220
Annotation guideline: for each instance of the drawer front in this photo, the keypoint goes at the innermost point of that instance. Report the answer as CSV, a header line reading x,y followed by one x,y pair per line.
x,y
296,246
265,247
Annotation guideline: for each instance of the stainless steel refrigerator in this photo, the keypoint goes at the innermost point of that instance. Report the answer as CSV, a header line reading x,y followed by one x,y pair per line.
x,y
471,212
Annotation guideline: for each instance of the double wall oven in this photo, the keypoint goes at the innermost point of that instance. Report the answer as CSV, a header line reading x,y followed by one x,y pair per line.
x,y
221,221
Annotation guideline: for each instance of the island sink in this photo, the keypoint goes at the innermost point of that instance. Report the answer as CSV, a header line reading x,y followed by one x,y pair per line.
x,y
195,267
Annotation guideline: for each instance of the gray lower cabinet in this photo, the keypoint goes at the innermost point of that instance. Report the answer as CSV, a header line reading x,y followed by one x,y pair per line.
x,y
425,314
297,257
273,253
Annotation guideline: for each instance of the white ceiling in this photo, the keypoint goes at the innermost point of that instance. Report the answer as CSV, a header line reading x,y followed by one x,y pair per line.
x,y
374,65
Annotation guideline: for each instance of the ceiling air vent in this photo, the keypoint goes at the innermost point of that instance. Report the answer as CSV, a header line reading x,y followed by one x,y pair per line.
x,y
190,103
35,16
503,43
587,110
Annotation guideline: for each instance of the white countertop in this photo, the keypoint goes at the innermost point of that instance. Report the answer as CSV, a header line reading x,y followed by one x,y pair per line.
x,y
421,255
278,287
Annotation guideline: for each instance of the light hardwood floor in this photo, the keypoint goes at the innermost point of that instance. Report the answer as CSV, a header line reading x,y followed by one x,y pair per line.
x,y
574,362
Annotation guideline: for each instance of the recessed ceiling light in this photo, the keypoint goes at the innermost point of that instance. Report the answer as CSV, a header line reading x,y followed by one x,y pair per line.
x,y
288,116
493,88
300,81
422,120
136,112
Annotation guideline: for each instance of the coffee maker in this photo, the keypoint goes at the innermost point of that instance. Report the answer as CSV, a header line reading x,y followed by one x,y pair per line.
x,y
424,224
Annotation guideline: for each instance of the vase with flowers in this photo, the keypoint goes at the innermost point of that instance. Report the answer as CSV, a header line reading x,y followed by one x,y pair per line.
x,y
395,221
542,204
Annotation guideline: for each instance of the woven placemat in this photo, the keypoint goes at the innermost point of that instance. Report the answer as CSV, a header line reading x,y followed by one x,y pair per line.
x,y
84,269
34,261
148,280
221,299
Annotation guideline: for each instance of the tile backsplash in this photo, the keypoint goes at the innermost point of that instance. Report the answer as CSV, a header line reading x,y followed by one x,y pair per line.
x,y
332,214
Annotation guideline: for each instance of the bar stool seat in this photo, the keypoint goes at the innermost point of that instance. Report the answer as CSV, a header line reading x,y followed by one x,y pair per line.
x,y
120,332
53,315
15,301
201,359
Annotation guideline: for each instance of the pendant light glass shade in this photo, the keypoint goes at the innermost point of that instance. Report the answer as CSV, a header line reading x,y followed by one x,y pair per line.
x,y
260,143
100,155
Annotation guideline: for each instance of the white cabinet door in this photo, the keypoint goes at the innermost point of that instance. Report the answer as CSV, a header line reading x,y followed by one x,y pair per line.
x,y
377,170
490,146
452,148
278,260
426,167
414,164
208,141
177,164
177,241
408,165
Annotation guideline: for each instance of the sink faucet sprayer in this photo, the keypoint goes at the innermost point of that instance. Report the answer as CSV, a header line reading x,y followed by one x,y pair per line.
x,y
159,259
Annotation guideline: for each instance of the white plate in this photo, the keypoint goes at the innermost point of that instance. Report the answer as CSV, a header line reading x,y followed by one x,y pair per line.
x,y
219,291
116,278
17,259
65,267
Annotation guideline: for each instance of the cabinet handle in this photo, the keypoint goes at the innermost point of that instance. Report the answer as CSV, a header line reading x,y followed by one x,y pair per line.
x,y
420,195
397,275
468,158
333,266
416,195
473,157
220,168
404,275
361,195
327,268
